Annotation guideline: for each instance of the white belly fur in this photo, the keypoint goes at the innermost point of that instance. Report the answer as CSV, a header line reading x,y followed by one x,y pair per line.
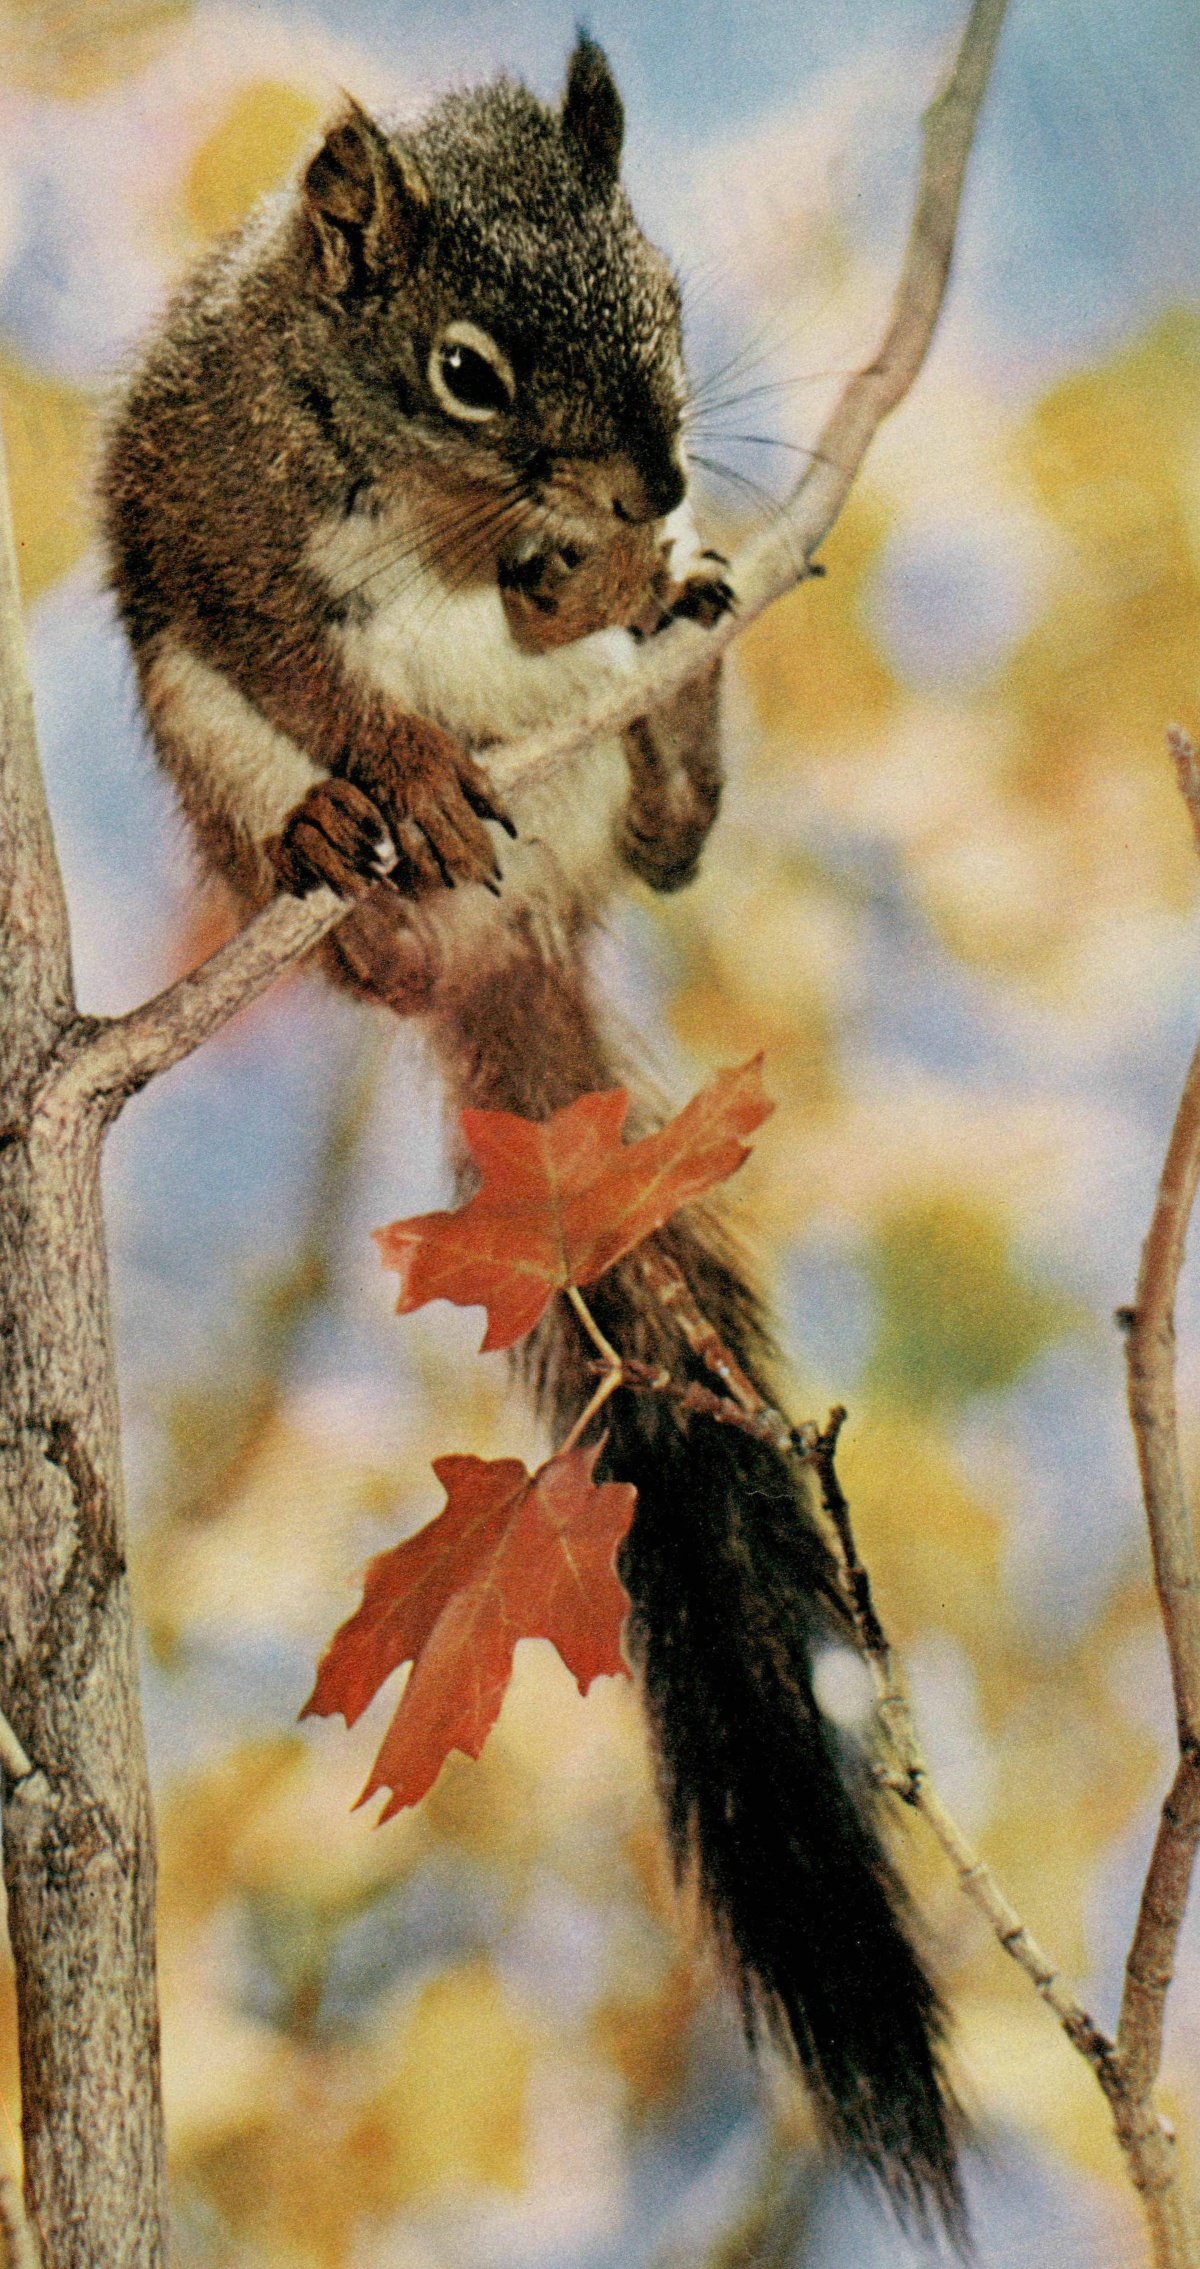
x,y
446,655
449,654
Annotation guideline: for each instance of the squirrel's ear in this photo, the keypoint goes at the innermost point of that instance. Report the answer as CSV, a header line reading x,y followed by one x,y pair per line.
x,y
593,114
366,202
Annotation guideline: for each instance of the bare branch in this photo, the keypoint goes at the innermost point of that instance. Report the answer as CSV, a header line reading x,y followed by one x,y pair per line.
x,y
1149,1327
1151,1963
103,1065
765,1424
673,1294
623,681
1150,1361
1147,2142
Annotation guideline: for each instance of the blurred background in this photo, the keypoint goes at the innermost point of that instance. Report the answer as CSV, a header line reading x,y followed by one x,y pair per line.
x,y
954,897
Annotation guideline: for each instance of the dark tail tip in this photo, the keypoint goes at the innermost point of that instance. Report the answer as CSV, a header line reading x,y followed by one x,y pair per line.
x,y
732,1591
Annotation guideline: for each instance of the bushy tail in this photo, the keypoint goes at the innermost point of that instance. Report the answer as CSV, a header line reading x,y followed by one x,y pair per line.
x,y
734,1594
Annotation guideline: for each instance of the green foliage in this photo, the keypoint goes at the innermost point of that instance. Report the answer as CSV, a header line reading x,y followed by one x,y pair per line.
x,y
957,1316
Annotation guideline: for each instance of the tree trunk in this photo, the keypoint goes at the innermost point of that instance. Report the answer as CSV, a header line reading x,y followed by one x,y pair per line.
x,y
78,1837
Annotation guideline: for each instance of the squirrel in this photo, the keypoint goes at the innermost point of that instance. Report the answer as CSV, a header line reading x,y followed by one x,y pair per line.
x,y
405,444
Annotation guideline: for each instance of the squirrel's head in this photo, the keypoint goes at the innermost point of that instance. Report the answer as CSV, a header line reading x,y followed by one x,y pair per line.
x,y
488,289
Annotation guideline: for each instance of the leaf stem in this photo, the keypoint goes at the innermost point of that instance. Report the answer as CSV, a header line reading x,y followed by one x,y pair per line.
x,y
608,1385
614,1361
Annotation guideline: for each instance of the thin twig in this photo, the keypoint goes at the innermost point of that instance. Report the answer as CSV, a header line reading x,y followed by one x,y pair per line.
x,y
1149,1328
619,681
701,1401
673,1294
822,1458
908,1775
1144,2136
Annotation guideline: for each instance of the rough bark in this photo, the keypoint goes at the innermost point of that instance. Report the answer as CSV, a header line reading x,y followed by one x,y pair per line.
x,y
78,1838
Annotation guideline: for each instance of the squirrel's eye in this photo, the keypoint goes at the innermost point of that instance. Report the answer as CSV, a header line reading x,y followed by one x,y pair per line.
x,y
469,375
472,381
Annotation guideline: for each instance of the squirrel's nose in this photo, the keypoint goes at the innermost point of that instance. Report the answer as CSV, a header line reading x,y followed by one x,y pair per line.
x,y
665,488
647,492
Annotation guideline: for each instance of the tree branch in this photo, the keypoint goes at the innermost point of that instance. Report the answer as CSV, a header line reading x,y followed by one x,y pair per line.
x,y
1146,2141
1149,1327
624,681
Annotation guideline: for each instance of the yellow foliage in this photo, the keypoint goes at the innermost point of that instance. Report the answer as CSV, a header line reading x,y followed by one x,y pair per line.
x,y
339,2137
72,49
1071,1772
932,1548
957,1317
809,663
1023,2073
205,1816
765,957
560,1773
1111,456
48,436
250,150
455,2101
646,2037
1076,844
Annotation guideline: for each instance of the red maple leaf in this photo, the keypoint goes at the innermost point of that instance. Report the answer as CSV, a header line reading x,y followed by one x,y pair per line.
x,y
563,1198
512,1556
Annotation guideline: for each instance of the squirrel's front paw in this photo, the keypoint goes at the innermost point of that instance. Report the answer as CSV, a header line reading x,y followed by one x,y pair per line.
x,y
435,799
702,595
336,835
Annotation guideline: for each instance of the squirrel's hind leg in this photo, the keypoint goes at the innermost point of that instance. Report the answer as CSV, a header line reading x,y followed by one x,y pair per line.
x,y
676,777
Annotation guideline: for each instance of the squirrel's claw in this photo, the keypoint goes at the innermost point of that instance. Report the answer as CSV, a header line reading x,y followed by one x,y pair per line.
x,y
482,800
438,818
334,836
